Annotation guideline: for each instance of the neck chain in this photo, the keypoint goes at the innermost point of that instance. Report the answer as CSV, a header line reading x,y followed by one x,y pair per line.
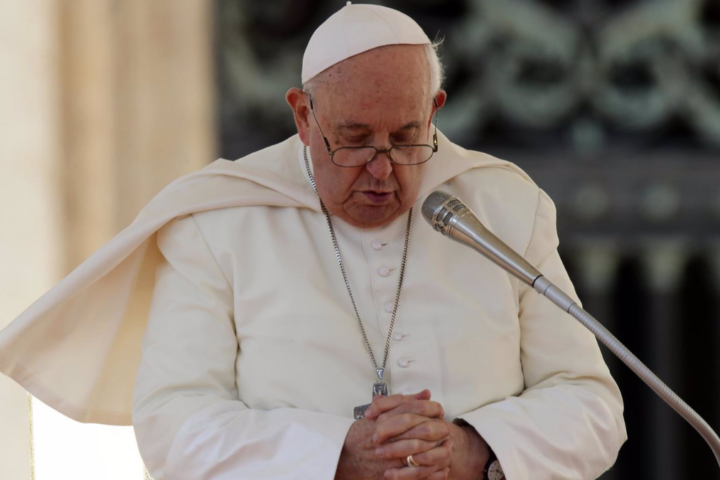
x,y
380,387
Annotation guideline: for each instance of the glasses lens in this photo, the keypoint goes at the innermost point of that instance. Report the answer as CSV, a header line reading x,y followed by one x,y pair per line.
x,y
412,155
403,155
353,157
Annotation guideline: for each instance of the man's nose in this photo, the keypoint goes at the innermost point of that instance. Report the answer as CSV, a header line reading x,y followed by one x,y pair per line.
x,y
380,167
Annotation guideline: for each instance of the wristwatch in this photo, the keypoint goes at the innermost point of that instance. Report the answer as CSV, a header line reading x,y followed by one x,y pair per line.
x,y
493,470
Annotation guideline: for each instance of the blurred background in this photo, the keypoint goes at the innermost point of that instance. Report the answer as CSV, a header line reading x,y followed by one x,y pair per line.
x,y
611,106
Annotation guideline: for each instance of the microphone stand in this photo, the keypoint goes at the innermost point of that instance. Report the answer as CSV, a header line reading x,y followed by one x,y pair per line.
x,y
543,286
449,216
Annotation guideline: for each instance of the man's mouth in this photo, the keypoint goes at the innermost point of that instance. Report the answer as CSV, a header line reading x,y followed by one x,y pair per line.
x,y
377,197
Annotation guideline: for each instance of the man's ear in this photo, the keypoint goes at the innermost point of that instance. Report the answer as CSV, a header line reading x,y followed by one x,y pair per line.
x,y
440,99
299,102
438,103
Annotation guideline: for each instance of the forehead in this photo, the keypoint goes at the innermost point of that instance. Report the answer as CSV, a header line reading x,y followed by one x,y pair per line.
x,y
391,81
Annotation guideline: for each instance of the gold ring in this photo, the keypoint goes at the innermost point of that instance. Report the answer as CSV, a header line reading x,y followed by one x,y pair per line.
x,y
411,462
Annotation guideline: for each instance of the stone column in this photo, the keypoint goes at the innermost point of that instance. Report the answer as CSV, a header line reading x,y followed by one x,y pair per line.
x,y
137,109
30,240
102,103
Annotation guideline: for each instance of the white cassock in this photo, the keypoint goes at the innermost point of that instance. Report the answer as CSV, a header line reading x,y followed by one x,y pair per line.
x,y
252,359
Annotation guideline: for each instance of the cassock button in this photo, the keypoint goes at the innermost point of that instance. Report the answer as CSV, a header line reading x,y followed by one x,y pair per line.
x,y
377,244
384,272
397,337
403,363
389,307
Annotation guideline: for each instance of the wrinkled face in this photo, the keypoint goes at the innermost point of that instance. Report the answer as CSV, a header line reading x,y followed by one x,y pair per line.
x,y
381,98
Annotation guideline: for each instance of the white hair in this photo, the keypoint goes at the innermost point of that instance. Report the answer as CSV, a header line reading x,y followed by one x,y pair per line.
x,y
437,70
435,66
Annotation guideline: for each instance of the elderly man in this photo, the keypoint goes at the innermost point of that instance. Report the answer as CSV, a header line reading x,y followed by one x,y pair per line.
x,y
503,375
301,323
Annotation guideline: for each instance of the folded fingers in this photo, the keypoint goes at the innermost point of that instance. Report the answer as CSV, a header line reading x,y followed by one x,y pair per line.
x,y
433,430
383,404
397,425
433,464
426,408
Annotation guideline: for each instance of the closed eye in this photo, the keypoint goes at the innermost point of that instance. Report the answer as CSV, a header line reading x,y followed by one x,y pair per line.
x,y
404,138
356,139
359,135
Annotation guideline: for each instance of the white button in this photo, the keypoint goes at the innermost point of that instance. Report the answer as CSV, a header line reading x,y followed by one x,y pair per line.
x,y
398,336
389,307
403,363
377,244
384,272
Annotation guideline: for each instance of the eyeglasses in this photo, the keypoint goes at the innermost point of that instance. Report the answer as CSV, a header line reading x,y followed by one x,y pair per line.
x,y
348,157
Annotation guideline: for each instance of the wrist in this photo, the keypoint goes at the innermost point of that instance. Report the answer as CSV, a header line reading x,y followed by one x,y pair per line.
x,y
470,455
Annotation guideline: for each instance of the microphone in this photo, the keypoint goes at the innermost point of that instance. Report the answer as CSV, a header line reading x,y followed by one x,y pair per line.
x,y
451,217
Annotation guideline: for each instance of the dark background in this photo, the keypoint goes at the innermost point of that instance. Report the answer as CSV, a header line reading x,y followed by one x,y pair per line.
x,y
612,107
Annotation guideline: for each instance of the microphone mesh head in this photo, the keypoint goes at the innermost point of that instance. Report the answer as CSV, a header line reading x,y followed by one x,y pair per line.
x,y
432,203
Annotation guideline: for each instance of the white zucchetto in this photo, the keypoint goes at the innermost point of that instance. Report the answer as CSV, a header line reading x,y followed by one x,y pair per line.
x,y
355,29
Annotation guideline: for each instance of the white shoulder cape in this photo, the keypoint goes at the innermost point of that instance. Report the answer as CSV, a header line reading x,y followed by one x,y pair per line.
x,y
78,347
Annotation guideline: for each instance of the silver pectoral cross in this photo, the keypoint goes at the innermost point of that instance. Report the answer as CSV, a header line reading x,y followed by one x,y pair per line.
x,y
379,388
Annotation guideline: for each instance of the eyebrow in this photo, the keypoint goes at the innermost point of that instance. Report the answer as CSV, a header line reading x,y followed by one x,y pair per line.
x,y
356,126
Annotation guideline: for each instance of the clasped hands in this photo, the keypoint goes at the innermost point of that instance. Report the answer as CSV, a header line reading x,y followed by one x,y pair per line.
x,y
401,425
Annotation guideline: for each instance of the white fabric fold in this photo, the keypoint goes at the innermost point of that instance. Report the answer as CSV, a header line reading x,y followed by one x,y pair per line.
x,y
77,348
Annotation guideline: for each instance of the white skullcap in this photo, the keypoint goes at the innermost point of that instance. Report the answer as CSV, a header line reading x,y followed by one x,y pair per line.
x,y
355,29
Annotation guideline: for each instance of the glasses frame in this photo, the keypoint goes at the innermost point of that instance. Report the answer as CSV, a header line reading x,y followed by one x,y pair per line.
x,y
332,152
